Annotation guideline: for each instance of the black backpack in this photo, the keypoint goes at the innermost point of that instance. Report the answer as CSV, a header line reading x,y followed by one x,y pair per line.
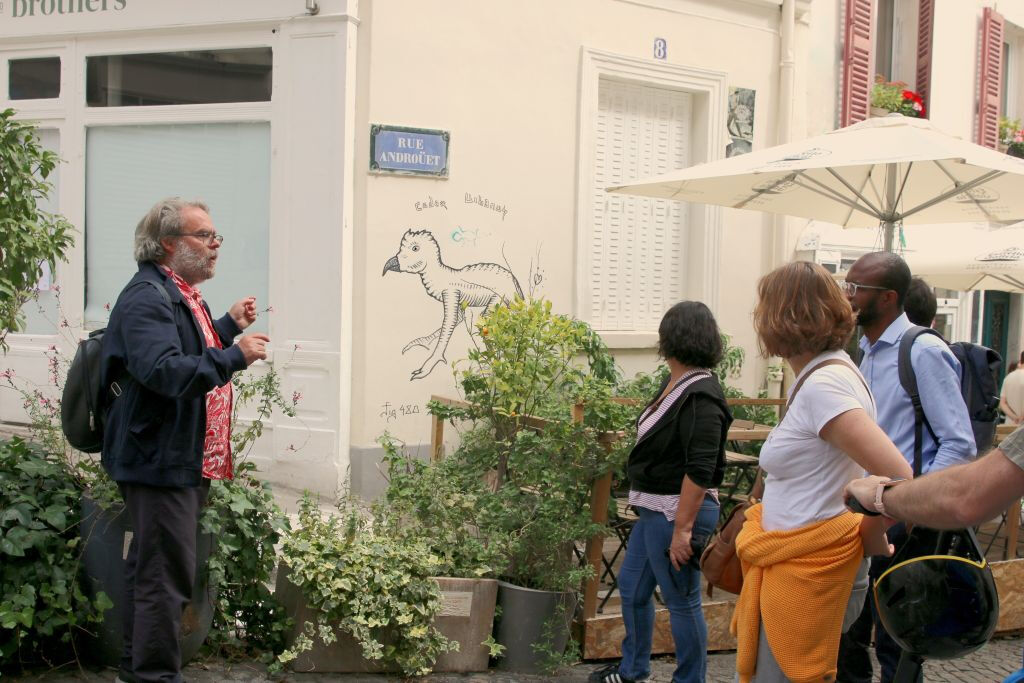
x,y
979,386
84,401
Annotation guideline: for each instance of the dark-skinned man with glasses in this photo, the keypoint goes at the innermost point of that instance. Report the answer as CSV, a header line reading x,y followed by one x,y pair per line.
x,y
167,365
876,286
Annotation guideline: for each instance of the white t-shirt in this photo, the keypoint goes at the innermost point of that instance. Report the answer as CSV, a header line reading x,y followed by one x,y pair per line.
x,y
806,474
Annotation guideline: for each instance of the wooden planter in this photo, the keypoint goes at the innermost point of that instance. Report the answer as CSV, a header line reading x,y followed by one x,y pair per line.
x,y
467,616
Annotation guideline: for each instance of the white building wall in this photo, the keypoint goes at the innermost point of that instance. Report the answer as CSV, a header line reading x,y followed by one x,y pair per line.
x,y
506,80
310,114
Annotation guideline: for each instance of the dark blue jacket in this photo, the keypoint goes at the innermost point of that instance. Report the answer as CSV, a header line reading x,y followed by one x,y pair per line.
x,y
155,430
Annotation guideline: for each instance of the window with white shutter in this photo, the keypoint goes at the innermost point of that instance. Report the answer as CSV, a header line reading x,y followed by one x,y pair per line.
x,y
636,246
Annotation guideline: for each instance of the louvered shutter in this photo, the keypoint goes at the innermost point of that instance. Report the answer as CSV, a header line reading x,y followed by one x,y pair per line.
x,y
857,76
925,27
636,246
990,78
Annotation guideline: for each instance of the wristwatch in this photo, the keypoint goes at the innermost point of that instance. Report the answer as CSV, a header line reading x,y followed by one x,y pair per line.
x,y
882,486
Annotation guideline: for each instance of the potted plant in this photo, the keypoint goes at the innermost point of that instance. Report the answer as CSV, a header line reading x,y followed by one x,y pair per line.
x,y
893,96
362,600
1009,132
532,477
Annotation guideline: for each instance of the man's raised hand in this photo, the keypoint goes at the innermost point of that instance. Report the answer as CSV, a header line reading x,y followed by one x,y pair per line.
x,y
254,347
243,312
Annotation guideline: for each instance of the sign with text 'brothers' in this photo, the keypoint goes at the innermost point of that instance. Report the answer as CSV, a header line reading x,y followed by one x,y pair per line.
x,y
45,8
409,151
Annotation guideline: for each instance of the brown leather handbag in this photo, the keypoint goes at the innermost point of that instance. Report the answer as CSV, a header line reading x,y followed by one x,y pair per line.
x,y
719,562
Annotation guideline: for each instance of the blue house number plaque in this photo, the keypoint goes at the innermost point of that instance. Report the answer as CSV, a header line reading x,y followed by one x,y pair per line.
x,y
409,151
660,48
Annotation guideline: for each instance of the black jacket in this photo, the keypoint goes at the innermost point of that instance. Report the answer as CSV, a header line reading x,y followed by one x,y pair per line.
x,y
156,429
688,440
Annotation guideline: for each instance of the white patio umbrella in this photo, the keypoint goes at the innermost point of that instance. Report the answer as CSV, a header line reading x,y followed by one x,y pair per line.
x,y
973,259
880,172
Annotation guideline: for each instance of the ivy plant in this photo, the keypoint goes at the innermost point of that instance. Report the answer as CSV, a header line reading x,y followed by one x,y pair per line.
x,y
358,578
29,236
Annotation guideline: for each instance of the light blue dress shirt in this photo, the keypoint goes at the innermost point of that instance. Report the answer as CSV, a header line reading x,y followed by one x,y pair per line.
x,y
938,381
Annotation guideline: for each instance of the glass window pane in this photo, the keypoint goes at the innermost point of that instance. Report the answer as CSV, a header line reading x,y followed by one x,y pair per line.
x,y
129,168
162,78
42,315
33,79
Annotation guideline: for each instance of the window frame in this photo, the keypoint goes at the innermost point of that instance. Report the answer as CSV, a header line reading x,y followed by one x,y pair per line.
x,y
709,91
70,116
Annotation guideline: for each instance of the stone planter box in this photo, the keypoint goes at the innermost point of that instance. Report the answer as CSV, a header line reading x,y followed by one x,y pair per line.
x,y
467,616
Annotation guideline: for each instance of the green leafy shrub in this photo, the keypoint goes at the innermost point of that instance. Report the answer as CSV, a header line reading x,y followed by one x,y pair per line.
x,y
29,236
241,515
246,523
42,606
358,578
531,480
437,504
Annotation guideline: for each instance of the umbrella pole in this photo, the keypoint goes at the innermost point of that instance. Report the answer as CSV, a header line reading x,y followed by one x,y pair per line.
x,y
888,235
888,224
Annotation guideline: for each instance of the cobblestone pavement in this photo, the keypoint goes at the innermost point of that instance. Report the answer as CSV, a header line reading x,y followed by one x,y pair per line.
x,y
989,665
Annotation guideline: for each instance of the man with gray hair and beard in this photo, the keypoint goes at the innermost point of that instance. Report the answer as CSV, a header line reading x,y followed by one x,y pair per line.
x,y
168,366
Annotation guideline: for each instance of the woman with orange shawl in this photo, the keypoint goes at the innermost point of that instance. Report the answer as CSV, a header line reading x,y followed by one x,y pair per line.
x,y
802,551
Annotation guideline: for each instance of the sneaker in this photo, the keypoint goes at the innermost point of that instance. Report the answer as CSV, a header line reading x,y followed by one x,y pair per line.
x,y
610,674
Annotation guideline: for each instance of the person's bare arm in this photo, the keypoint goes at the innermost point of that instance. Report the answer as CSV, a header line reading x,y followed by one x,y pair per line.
x,y
952,498
857,435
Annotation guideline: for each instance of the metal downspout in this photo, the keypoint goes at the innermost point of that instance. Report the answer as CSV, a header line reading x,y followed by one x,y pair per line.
x,y
787,69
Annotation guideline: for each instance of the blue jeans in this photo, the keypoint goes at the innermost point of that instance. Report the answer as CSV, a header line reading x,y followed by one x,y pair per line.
x,y
646,565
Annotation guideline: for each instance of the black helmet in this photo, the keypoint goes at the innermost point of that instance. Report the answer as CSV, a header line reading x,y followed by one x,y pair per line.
x,y
938,598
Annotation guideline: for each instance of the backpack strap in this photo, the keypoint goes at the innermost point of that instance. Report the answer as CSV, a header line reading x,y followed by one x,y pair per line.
x,y
830,361
115,388
908,380
757,491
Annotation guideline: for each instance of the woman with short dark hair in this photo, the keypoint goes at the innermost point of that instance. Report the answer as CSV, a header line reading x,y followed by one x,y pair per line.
x,y
678,460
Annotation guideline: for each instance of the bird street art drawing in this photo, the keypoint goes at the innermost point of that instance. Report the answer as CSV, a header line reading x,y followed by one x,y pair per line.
x,y
478,285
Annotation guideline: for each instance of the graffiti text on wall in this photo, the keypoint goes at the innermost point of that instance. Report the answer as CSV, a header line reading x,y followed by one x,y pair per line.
x,y
486,203
390,412
431,203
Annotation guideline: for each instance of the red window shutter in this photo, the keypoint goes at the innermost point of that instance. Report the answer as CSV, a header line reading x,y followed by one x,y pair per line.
x,y
990,78
925,25
857,76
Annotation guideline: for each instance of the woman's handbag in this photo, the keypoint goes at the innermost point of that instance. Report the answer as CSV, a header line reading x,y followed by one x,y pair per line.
x,y
719,562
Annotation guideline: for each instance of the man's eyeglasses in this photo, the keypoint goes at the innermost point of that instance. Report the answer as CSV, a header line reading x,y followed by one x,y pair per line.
x,y
204,235
851,287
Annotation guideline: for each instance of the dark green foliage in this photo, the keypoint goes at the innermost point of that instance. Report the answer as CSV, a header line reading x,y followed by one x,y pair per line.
x,y
41,603
246,523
